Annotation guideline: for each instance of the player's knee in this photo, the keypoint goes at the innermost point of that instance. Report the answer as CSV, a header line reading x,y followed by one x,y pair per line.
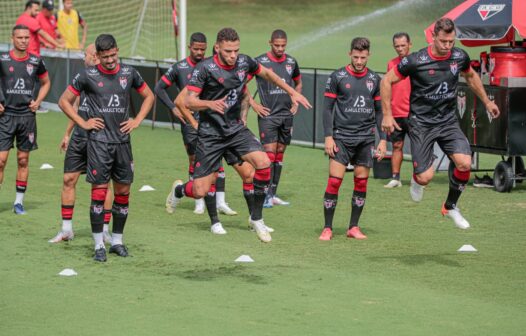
x,y
464,165
333,185
423,179
398,146
199,191
69,182
262,162
23,162
3,162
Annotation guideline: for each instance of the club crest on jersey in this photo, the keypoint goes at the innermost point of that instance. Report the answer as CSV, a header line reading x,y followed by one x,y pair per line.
x,y
370,85
221,80
241,74
11,69
488,11
288,67
461,103
123,81
454,68
29,68
31,137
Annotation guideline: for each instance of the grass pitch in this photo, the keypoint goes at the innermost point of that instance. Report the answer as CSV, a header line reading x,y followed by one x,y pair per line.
x,y
406,279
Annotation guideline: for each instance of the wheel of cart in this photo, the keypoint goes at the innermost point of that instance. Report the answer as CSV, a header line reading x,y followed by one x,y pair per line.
x,y
507,173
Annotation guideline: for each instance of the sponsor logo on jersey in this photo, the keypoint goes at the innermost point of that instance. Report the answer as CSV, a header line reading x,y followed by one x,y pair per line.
x,y
489,11
370,85
123,81
29,68
183,65
288,67
33,59
212,66
241,74
125,70
422,59
341,74
93,71
264,59
290,59
461,103
5,57
457,54
31,137
453,67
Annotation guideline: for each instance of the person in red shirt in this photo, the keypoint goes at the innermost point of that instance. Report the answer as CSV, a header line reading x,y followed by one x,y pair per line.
x,y
48,22
400,106
28,19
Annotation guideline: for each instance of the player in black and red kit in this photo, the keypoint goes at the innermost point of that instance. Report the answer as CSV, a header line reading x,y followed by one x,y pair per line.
x,y
276,112
180,74
215,90
108,88
434,73
352,112
19,73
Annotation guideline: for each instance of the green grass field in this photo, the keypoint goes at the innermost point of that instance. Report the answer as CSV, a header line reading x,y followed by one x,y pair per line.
x,y
406,279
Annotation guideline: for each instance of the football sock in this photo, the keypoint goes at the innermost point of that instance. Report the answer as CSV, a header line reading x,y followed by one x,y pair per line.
x,y
96,213
276,174
21,187
272,158
211,207
99,240
261,183
116,239
184,190
358,200
120,213
107,216
67,217
248,193
457,184
330,199
220,180
396,176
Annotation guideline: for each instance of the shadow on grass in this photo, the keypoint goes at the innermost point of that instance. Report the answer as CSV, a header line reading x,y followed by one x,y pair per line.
x,y
8,206
420,259
207,274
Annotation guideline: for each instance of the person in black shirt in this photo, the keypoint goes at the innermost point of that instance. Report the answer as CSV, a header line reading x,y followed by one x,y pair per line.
x,y
108,88
276,112
434,72
351,115
216,90
19,73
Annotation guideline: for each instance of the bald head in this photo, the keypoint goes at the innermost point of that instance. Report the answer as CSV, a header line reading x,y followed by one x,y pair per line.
x,y
90,55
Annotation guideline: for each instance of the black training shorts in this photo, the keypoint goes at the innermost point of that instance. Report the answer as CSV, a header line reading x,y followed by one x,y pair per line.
x,y
397,135
109,161
76,158
23,129
275,129
358,152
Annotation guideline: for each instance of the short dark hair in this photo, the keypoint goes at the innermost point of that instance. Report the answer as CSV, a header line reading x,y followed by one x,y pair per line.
x,y
444,24
105,42
227,34
400,35
360,44
198,37
19,27
30,3
278,34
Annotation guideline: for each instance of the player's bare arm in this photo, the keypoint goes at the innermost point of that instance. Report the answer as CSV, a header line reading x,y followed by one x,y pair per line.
x,y
386,92
187,115
45,85
84,26
245,106
49,39
298,87
146,106
475,84
193,102
66,104
296,97
260,110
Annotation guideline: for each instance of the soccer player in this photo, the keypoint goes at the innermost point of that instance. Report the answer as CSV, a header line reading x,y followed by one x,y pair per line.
x,y
351,113
434,73
400,106
215,90
68,22
107,88
276,115
179,74
75,163
48,22
19,73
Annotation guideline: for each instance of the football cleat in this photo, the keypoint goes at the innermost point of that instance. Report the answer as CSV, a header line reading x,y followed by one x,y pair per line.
x,y
278,201
199,206
485,182
393,184
119,250
18,209
225,209
106,236
355,233
326,234
456,216
171,200
100,255
218,229
416,190
268,202
62,236
269,229
261,230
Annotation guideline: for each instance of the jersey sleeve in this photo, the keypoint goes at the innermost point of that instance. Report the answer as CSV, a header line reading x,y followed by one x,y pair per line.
x,y
466,61
406,67
198,80
296,74
331,88
41,69
376,92
77,84
34,26
170,76
137,82
254,67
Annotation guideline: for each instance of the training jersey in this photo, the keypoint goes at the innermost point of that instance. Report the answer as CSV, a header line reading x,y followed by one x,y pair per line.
x,y
272,96
83,112
213,81
34,26
355,95
400,93
49,25
18,77
68,26
433,83
107,96
179,73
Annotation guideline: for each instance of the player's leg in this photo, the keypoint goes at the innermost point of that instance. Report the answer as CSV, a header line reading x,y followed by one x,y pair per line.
x,y
119,213
284,139
22,175
190,143
67,207
26,141
7,136
271,151
108,205
397,140
422,142
246,172
222,205
268,134
4,155
361,176
330,198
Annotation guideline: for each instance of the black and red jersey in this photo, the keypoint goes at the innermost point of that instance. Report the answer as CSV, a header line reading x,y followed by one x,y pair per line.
x,y
179,73
272,96
214,81
354,111
433,83
107,94
18,77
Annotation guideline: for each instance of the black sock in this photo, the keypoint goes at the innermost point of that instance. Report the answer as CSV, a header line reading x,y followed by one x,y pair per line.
x,y
457,184
220,180
119,212
248,193
276,176
261,183
329,207
358,202
396,176
210,202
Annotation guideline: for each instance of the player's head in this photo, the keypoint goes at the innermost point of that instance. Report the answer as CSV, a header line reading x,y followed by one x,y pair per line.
x,y
359,53
68,5
33,7
443,36
90,55
197,46
402,44
20,37
107,51
278,42
47,7
227,46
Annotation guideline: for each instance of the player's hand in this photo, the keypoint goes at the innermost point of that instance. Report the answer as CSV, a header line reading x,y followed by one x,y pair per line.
x,y
64,143
81,46
298,98
129,125
2,109
381,150
218,106
294,109
389,125
261,110
93,124
33,106
330,146
194,124
493,109
179,115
